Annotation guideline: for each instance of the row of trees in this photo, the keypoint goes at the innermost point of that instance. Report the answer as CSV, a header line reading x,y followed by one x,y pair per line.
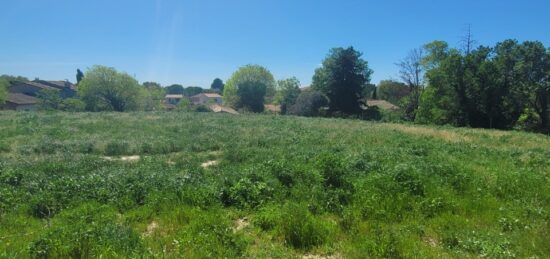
x,y
340,84
502,87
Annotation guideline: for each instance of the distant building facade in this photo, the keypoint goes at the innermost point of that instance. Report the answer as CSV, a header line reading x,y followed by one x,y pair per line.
x,y
207,98
20,102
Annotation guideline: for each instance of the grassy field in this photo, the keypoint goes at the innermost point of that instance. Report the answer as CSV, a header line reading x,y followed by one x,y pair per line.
x,y
209,185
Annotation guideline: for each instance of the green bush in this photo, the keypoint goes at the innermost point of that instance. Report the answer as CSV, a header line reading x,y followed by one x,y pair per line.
x,y
117,148
303,230
90,230
210,235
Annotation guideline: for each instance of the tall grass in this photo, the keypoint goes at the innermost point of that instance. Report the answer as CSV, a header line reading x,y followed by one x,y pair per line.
x,y
279,187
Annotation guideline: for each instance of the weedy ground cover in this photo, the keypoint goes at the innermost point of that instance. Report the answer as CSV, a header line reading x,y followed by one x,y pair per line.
x,y
304,186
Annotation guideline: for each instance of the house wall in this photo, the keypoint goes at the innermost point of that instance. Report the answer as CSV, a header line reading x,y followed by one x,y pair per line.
x,y
16,107
217,100
26,107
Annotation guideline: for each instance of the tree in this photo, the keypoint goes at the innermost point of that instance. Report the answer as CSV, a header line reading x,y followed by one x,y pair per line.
x,y
152,85
217,85
501,87
174,89
374,94
287,93
192,90
534,67
343,78
79,76
105,89
153,94
248,86
50,99
251,96
411,71
308,104
392,91
4,84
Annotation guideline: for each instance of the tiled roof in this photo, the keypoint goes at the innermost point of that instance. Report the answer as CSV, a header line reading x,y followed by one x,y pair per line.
x,y
209,95
38,85
18,98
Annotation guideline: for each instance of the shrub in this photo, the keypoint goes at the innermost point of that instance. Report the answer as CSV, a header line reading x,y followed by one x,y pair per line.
x,y
249,193
87,231
210,235
302,230
117,148
372,113
309,104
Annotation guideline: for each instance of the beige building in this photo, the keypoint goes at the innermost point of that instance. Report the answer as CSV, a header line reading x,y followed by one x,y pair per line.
x,y
20,102
206,98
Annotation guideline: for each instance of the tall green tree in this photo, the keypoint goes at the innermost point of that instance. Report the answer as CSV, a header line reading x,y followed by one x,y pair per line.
x,y
248,86
343,77
79,76
217,85
105,89
288,91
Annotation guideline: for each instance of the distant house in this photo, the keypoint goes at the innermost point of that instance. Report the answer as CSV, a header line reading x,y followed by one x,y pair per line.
x,y
30,88
206,98
20,102
173,99
273,108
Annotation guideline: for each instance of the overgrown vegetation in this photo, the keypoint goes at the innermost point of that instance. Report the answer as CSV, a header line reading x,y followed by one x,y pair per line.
x,y
211,185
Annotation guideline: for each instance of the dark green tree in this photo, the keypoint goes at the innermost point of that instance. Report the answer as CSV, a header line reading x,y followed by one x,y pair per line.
x,y
192,90
174,89
251,96
343,78
374,94
79,76
288,91
217,85
309,104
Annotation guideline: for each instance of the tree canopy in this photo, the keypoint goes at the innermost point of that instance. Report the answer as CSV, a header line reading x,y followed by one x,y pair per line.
x,y
248,86
288,91
343,78
392,91
174,89
491,87
105,89
192,90
79,76
217,85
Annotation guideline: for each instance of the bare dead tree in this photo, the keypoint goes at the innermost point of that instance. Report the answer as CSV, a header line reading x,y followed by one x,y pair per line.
x,y
411,69
468,42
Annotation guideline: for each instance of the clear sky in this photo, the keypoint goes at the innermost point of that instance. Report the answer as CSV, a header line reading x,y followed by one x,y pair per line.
x,y
191,42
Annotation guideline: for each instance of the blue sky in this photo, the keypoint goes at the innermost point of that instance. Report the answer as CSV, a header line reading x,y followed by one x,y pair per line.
x,y
191,42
